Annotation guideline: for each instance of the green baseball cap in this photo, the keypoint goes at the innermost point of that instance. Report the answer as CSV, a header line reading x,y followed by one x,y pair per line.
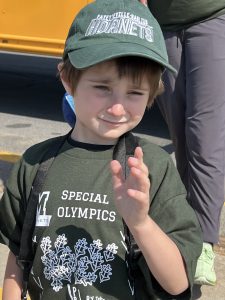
x,y
107,29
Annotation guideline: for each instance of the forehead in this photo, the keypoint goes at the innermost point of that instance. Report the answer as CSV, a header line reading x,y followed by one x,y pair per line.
x,y
102,67
112,70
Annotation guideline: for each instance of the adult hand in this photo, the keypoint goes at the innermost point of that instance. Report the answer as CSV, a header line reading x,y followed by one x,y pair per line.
x,y
132,195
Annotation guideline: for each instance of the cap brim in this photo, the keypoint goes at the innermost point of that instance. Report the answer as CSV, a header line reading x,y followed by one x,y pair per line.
x,y
89,56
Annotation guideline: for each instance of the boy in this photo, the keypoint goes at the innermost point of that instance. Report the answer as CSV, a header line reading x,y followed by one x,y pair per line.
x,y
112,66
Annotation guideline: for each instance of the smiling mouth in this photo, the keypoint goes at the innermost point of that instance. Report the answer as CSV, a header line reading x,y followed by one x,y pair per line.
x,y
114,122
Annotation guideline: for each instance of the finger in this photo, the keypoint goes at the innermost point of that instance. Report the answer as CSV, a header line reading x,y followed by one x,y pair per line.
x,y
138,153
140,197
140,156
134,163
117,173
139,180
137,161
143,2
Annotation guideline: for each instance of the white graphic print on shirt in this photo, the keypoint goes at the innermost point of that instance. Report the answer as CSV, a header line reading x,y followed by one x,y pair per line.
x,y
74,294
42,219
84,262
61,263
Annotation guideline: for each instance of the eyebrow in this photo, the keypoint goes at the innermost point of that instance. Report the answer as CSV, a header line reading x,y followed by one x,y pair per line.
x,y
101,80
107,81
138,87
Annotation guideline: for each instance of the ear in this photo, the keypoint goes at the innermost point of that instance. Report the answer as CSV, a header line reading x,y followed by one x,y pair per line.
x,y
64,79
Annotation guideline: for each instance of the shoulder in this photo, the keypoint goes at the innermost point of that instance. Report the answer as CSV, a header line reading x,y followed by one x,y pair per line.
x,y
164,177
24,171
153,153
35,153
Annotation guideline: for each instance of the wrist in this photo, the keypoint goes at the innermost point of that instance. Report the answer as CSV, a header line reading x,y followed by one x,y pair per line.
x,y
145,227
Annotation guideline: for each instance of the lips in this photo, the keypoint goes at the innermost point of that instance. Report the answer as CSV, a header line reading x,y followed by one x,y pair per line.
x,y
113,122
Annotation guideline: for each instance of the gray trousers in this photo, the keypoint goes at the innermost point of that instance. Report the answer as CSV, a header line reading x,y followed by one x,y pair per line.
x,y
193,106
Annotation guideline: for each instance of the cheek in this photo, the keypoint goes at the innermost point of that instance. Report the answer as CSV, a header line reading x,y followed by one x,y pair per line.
x,y
138,109
87,106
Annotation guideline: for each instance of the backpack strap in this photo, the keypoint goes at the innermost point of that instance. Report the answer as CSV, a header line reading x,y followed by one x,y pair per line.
x,y
26,253
125,148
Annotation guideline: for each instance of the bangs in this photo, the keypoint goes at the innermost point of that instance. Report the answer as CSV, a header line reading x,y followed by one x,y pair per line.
x,y
136,68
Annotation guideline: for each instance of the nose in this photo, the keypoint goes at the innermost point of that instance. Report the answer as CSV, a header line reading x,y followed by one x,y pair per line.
x,y
117,109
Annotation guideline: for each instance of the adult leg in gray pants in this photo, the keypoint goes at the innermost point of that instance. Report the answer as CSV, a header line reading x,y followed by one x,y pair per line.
x,y
193,106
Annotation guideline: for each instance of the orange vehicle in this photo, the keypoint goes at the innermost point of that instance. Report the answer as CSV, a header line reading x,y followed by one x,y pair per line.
x,y
38,26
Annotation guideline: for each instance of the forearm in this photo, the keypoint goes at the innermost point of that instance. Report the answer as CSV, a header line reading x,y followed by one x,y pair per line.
x,y
12,280
132,202
162,256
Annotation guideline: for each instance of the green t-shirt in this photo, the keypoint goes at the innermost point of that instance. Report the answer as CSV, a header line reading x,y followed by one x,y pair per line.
x,y
78,237
173,15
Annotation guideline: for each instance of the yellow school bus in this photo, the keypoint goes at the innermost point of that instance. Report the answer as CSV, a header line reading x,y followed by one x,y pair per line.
x,y
36,26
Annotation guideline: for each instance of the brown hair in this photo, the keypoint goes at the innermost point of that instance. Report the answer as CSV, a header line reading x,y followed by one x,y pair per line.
x,y
133,67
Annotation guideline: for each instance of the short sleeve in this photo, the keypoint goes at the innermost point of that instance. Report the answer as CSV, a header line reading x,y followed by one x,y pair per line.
x,y
172,212
170,209
12,209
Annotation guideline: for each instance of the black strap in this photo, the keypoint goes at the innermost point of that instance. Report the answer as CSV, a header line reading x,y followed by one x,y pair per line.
x,y
26,254
123,149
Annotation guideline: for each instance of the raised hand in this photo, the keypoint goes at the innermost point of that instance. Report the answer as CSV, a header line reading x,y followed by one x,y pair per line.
x,y
132,195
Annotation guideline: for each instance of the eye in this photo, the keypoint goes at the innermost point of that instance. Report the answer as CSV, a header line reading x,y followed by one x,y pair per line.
x,y
102,87
137,93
